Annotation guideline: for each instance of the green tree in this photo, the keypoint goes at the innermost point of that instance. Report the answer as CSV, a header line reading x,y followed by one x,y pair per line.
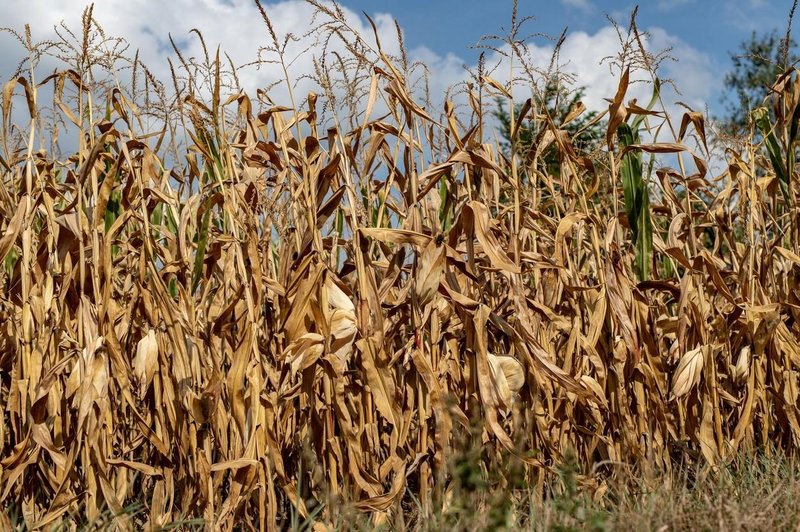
x,y
756,66
558,103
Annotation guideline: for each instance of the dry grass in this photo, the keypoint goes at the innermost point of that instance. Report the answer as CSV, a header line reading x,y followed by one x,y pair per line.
x,y
281,318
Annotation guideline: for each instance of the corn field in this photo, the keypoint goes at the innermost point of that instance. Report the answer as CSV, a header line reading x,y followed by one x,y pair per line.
x,y
241,310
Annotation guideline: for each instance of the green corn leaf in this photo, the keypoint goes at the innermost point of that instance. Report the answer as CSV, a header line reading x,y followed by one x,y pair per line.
x,y
202,241
644,243
761,116
637,200
637,121
792,139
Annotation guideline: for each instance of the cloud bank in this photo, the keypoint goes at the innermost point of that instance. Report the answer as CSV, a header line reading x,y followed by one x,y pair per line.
x,y
236,26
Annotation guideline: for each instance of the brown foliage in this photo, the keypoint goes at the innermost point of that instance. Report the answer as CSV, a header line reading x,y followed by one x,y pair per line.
x,y
283,317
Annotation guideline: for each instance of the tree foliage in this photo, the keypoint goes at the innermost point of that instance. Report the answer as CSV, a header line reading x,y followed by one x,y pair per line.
x,y
756,65
558,104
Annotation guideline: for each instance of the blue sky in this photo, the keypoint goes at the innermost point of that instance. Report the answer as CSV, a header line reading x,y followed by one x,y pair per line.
x,y
440,32
713,26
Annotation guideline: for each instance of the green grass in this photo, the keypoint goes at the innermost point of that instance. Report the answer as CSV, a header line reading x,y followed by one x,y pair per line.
x,y
752,493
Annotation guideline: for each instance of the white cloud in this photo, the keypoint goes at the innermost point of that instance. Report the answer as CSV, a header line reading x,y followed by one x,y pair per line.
x,y
584,5
236,26
582,55
669,5
755,15
585,55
